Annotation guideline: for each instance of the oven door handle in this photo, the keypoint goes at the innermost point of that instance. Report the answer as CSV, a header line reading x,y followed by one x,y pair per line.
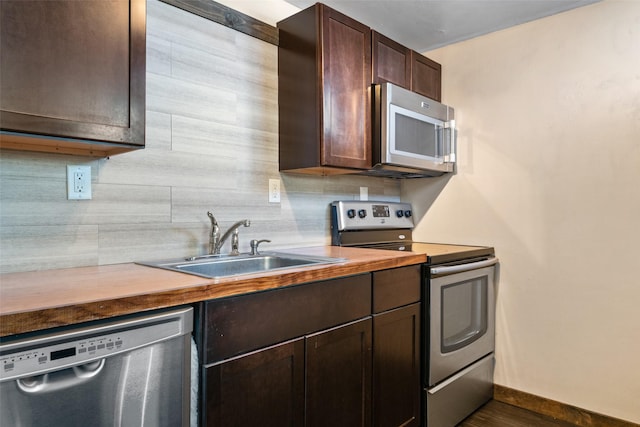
x,y
464,267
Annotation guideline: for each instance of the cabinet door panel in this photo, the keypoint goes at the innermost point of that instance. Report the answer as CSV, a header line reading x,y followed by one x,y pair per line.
x,y
426,76
346,56
74,69
396,367
391,62
264,388
339,376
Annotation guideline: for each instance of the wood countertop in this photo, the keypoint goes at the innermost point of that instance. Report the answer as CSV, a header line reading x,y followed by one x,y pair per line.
x,y
37,300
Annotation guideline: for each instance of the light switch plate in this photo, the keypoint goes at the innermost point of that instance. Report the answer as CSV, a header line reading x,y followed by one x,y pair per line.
x,y
364,193
78,182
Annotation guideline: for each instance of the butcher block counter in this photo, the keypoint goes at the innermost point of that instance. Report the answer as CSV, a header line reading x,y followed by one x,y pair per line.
x,y
37,300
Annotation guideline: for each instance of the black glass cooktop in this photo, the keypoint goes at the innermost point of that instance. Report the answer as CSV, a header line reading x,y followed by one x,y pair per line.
x,y
437,253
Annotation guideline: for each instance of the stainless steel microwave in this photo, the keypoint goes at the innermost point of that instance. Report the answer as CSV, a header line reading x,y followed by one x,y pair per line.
x,y
413,136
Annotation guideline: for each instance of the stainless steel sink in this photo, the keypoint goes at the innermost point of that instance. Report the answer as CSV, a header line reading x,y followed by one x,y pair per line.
x,y
217,266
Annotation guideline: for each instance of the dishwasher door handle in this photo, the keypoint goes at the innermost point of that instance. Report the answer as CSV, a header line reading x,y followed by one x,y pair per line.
x,y
464,267
60,380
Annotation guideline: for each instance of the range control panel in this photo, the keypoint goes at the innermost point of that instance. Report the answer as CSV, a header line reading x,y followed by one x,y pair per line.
x,y
368,215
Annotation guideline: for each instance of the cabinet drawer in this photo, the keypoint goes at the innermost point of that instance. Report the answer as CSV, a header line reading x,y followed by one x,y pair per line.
x,y
396,287
240,324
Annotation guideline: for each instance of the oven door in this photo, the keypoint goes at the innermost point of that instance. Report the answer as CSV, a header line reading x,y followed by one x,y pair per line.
x,y
462,317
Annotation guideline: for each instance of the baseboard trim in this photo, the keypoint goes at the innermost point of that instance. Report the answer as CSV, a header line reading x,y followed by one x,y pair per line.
x,y
558,410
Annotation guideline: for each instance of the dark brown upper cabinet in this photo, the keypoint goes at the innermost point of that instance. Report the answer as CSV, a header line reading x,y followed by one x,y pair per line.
x,y
397,64
391,61
426,76
72,76
327,63
324,92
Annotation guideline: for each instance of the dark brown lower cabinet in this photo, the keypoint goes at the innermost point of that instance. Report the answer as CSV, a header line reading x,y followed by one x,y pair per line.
x,y
339,376
340,352
271,387
263,388
396,367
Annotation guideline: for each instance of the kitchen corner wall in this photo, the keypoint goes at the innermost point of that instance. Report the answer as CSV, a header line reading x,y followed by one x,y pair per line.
x,y
549,174
212,144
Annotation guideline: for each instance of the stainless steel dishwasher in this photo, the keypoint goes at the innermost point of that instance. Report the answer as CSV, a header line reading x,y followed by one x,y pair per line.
x,y
128,371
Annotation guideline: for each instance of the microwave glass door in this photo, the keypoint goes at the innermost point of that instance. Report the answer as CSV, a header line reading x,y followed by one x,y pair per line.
x,y
415,135
464,314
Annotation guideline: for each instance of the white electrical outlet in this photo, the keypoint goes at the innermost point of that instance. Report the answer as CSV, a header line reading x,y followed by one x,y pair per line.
x,y
274,191
78,182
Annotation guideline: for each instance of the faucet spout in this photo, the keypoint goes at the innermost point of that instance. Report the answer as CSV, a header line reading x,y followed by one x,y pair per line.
x,y
233,231
214,236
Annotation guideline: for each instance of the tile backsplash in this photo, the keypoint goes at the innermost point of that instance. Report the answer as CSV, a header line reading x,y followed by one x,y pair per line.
x,y
212,144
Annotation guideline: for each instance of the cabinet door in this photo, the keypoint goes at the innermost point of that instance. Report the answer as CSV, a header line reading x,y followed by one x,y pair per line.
x,y
339,376
391,61
396,367
346,91
426,76
73,69
264,388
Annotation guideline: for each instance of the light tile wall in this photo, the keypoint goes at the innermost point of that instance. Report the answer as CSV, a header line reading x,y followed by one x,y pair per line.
x,y
212,144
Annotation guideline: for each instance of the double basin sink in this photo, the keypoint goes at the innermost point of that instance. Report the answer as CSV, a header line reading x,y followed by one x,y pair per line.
x,y
219,266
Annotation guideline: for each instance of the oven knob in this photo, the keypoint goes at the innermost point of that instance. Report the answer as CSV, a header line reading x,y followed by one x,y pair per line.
x,y
362,213
407,213
351,213
399,214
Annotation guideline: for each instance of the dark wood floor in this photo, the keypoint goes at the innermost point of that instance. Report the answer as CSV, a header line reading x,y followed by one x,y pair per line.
x,y
498,414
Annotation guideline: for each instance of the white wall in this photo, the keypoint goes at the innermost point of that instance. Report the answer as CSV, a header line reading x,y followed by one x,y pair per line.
x,y
211,144
549,174
268,11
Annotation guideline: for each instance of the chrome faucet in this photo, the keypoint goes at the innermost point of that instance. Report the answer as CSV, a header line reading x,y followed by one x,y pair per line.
x,y
214,236
216,242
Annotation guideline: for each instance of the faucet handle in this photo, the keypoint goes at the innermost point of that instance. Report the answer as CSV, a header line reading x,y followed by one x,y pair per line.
x,y
254,245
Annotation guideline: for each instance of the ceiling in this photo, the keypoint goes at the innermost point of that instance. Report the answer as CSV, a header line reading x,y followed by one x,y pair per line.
x,y
423,25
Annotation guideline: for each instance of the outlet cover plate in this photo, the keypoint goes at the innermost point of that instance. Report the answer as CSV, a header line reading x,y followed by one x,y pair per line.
x,y
274,191
78,182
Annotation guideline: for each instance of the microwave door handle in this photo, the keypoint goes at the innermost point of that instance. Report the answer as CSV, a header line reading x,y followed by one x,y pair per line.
x,y
450,155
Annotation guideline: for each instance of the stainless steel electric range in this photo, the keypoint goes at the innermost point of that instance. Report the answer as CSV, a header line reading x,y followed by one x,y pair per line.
x,y
458,306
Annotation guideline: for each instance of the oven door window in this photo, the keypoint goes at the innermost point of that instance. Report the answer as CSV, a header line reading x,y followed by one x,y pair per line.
x,y
464,313
415,135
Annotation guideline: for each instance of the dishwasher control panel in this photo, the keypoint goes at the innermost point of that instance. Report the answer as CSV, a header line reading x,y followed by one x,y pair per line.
x,y
81,345
23,361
